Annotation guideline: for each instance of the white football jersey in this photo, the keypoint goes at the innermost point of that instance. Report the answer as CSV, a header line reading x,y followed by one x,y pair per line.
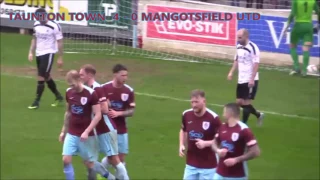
x,y
46,37
246,56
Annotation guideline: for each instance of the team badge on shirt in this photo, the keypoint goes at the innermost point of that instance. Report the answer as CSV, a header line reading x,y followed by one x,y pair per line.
x,y
205,125
124,97
235,136
83,100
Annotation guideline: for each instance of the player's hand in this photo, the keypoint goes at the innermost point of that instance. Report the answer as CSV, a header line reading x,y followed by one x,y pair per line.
x,y
230,162
62,136
181,150
60,63
200,143
113,114
84,136
230,76
222,152
251,83
30,57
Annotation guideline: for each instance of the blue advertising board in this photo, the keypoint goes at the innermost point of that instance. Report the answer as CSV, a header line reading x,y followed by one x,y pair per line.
x,y
266,33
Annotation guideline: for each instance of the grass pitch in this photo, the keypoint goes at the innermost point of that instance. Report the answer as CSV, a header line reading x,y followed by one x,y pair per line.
x,y
289,138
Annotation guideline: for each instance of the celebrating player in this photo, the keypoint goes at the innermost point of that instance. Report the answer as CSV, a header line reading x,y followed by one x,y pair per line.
x,y
301,13
107,134
46,35
199,126
247,60
233,138
77,131
121,97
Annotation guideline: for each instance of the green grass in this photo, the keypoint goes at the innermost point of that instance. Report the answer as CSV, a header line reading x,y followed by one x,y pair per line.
x,y
29,139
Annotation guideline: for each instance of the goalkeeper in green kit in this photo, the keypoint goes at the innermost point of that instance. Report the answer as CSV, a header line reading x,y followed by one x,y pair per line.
x,y
301,13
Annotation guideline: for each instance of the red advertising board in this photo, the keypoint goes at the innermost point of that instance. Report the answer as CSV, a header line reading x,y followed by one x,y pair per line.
x,y
207,32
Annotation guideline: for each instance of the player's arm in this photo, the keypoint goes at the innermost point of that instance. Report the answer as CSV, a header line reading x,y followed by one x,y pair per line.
x,y
59,38
129,111
96,110
234,65
215,126
215,146
102,99
67,116
33,43
292,13
183,133
253,147
256,60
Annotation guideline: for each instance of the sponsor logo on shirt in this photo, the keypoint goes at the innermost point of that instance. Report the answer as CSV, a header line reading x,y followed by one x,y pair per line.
x,y
229,146
116,105
76,109
195,135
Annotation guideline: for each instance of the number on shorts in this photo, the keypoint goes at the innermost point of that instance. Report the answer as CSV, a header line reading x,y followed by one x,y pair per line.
x,y
305,6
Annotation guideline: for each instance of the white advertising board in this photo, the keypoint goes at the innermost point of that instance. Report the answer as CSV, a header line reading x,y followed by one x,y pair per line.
x,y
29,6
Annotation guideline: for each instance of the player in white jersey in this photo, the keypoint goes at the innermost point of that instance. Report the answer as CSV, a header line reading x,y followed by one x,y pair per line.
x,y
106,130
247,61
47,36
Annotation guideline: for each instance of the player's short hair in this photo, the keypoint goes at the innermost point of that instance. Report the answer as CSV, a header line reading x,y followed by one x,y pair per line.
x,y
119,67
198,93
90,69
234,108
73,74
41,11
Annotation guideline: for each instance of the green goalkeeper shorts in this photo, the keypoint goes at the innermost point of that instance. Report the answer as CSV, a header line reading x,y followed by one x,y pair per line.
x,y
301,30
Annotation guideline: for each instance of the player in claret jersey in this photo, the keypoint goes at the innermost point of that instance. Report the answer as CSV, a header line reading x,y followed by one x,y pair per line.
x,y
105,130
122,104
82,115
199,126
233,138
301,13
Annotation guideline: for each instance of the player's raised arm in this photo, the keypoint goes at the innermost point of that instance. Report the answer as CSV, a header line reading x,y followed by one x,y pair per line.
x,y
253,147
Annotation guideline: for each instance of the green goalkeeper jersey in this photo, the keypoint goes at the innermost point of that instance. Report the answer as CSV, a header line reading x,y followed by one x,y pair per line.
x,y
302,10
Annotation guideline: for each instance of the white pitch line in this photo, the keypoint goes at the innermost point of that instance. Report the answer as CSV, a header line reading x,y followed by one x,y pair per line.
x,y
184,100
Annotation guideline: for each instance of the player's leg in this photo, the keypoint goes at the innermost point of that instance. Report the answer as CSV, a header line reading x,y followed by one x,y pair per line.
x,y
70,147
109,146
294,39
41,80
242,94
190,172
123,145
47,66
248,103
207,174
88,152
307,44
